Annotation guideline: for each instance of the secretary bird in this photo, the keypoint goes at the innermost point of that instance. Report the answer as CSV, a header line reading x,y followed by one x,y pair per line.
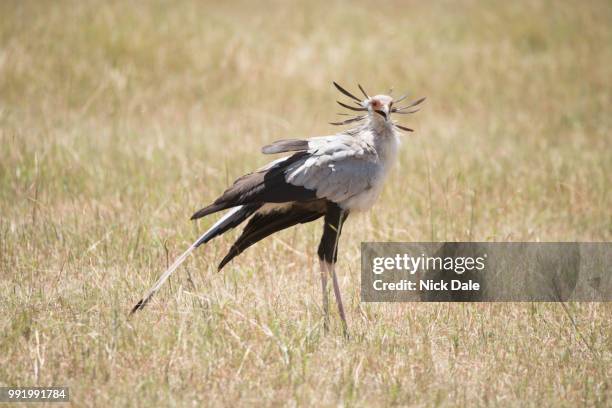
x,y
328,176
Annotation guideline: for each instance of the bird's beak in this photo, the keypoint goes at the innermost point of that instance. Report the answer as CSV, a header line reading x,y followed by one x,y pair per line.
x,y
384,112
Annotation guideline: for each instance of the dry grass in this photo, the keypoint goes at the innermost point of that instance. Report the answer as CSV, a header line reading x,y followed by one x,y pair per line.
x,y
118,119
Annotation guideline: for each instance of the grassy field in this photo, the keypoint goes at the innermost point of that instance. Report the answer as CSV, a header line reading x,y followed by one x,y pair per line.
x,y
118,120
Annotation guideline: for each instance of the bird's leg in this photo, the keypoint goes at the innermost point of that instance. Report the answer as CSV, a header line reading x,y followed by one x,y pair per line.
x,y
339,299
341,217
328,251
324,271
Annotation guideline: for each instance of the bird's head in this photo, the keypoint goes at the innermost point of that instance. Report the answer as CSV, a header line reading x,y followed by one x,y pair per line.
x,y
379,106
377,109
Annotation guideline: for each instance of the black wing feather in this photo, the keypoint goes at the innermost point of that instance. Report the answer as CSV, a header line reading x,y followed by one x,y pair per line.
x,y
262,225
266,186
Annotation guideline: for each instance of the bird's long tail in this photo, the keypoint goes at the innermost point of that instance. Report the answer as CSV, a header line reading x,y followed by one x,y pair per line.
x,y
230,220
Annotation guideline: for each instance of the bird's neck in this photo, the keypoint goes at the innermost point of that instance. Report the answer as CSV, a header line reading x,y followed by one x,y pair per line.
x,y
377,124
384,139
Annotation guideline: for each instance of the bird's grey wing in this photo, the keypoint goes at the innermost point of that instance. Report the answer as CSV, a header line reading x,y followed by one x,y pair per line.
x,y
301,145
270,184
337,170
285,145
